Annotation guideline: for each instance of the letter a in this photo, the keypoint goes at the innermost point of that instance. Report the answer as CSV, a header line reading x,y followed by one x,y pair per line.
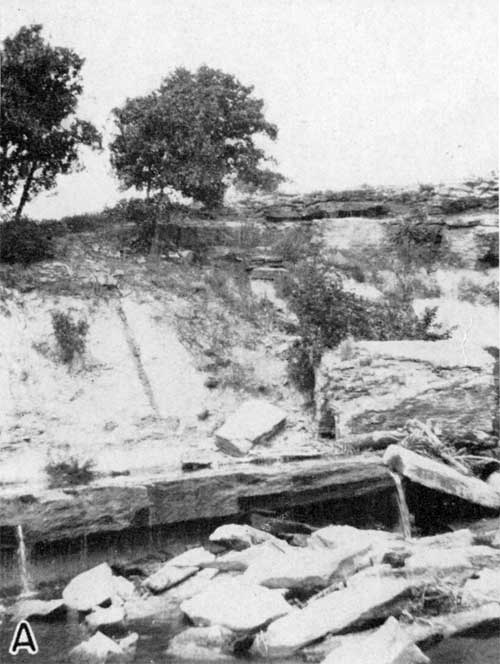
x,y
23,639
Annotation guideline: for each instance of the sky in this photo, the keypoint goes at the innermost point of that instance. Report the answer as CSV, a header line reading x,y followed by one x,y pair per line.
x,y
390,92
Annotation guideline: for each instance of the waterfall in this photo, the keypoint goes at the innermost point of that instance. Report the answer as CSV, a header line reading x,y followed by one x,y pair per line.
x,y
26,586
404,512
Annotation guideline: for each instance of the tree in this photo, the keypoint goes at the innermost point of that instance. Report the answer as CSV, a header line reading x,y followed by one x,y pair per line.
x,y
40,134
195,134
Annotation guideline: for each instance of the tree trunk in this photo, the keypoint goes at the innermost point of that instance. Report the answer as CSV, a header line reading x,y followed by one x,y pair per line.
x,y
26,190
162,208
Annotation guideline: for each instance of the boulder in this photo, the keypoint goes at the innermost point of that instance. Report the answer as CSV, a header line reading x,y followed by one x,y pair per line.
x,y
386,383
370,598
440,477
238,561
305,569
89,589
338,537
201,643
99,617
493,480
255,421
239,606
100,649
32,609
123,589
387,645
239,537
167,577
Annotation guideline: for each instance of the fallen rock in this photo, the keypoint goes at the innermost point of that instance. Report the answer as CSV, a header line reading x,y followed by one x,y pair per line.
x,y
239,537
89,589
99,617
304,569
338,537
31,609
100,649
430,630
254,422
493,480
236,605
167,577
440,477
197,557
123,589
484,588
201,643
238,561
333,613
387,645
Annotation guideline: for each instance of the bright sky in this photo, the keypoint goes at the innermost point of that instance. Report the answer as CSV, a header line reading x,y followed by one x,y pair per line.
x,y
363,91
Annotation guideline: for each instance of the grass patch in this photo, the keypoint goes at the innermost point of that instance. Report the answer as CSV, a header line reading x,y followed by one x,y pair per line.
x,y
70,472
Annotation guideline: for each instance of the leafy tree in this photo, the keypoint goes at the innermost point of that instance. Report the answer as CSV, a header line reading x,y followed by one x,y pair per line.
x,y
195,134
40,134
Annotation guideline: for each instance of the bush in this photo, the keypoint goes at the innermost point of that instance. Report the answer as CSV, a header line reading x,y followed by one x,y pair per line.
x,y
25,242
70,335
70,472
471,291
328,314
414,242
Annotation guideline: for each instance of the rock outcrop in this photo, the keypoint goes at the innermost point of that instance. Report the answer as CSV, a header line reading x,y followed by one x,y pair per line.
x,y
384,384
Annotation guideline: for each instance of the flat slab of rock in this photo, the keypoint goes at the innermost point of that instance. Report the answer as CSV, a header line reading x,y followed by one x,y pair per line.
x,y
99,617
27,609
387,645
90,588
167,577
239,561
254,422
201,643
485,588
236,605
304,569
197,557
239,537
440,477
372,596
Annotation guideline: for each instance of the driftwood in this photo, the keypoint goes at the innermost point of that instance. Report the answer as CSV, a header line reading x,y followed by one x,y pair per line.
x,y
436,475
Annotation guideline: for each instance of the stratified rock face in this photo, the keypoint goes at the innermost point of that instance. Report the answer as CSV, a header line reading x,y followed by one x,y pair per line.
x,y
385,383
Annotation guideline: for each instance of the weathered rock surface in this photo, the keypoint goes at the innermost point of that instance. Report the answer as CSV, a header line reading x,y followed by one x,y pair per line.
x,y
239,537
386,383
238,561
27,609
100,649
439,476
89,589
254,422
387,645
304,569
168,576
336,537
197,557
335,612
236,605
484,588
201,643
111,615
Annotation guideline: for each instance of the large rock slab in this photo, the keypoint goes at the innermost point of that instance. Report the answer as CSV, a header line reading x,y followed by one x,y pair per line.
x,y
236,605
485,588
90,588
383,384
305,569
440,477
32,609
254,422
333,613
387,645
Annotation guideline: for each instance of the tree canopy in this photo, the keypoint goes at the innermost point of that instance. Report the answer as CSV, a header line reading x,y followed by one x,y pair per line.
x,y
195,134
40,134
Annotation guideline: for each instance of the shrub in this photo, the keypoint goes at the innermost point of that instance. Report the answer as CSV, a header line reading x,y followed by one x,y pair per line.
x,y
70,335
24,241
414,242
69,472
328,314
485,293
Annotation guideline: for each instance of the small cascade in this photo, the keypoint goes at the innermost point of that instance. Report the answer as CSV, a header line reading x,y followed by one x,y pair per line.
x,y
26,585
85,548
404,512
